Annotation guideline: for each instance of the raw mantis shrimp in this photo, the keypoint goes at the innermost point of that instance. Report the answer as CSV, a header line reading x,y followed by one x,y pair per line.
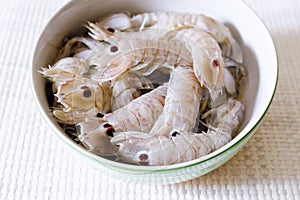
x,y
208,63
171,20
144,56
144,149
76,95
219,31
100,88
181,105
81,98
139,115
206,54
162,23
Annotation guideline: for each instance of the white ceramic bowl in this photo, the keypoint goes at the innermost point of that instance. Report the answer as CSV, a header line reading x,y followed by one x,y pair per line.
x,y
259,56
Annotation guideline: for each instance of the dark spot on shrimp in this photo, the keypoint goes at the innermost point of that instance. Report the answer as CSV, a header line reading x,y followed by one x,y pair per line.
x,y
86,91
114,49
107,125
77,127
92,66
109,29
110,132
100,115
216,63
143,159
175,133
144,91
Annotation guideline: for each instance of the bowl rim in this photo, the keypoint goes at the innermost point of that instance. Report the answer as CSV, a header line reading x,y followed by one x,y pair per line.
x,y
129,167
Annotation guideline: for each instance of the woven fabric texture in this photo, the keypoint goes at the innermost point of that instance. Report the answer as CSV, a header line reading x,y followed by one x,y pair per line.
x,y
35,164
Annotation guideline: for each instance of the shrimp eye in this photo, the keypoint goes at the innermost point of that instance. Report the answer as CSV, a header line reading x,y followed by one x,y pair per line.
x,y
92,66
107,125
114,49
100,115
110,30
110,132
86,91
144,159
216,63
175,133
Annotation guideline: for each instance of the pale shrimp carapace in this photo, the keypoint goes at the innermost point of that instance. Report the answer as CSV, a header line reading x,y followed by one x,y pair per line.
x,y
181,146
139,115
154,88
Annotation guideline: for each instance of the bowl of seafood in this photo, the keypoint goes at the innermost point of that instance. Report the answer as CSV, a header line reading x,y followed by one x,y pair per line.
x,y
154,91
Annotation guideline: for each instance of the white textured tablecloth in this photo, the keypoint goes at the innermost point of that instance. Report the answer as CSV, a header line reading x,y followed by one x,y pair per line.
x,y
35,164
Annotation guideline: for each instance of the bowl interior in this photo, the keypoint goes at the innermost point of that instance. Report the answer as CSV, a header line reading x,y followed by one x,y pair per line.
x,y
259,52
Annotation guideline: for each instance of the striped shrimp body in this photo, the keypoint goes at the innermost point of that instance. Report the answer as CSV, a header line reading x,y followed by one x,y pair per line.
x,y
139,115
140,148
206,53
172,20
208,62
127,87
181,105
144,56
